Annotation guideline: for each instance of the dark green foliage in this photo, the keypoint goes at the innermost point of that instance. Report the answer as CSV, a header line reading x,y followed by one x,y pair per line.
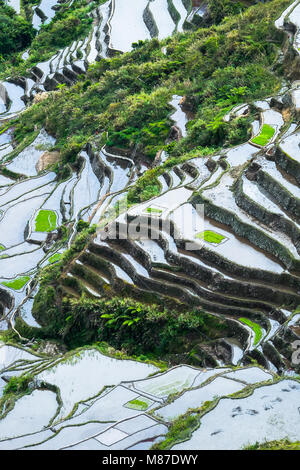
x,y
82,225
15,32
146,187
219,9
126,324
70,22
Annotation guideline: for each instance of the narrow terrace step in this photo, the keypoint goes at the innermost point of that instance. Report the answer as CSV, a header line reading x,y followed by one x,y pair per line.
x,y
90,273
107,269
86,287
279,185
250,198
184,293
230,291
69,291
206,267
162,15
182,12
288,155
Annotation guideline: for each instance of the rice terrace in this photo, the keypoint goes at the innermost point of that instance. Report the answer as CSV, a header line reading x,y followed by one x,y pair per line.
x,y
149,225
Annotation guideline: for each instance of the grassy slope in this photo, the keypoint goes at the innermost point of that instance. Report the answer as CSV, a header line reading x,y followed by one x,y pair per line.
x,y
128,96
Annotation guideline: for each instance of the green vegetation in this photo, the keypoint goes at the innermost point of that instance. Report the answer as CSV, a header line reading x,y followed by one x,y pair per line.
x,y
139,328
255,327
220,9
284,444
265,136
17,385
2,247
210,236
125,99
55,258
180,430
15,33
137,404
17,284
45,221
153,210
124,323
70,22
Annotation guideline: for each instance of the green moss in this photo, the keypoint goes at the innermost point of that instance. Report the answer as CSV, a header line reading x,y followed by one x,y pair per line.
x,y
17,284
255,327
45,221
2,247
210,236
265,136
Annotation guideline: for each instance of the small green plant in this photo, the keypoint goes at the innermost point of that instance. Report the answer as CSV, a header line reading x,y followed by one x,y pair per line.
x,y
179,431
284,444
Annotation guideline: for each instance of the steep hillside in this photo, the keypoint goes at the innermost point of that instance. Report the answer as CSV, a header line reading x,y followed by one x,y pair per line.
x,y
149,224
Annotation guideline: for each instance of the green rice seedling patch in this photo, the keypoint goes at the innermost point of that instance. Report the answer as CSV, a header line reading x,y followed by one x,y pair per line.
x,y
16,284
139,404
265,136
55,258
255,327
45,221
153,210
210,236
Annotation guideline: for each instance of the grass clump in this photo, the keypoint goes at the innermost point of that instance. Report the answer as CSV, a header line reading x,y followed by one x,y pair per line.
x,y
265,136
17,385
45,221
255,327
